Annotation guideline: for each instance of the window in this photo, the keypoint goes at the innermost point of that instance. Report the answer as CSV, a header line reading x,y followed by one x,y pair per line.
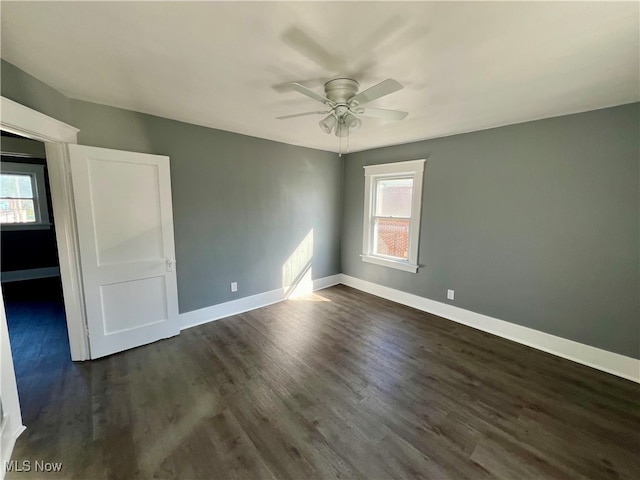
x,y
23,202
393,196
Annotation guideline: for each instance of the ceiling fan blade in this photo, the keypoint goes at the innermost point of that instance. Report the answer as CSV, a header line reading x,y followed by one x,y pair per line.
x,y
284,117
310,93
380,90
382,113
307,46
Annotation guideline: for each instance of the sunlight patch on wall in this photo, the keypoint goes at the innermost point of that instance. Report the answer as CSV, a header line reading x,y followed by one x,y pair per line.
x,y
296,271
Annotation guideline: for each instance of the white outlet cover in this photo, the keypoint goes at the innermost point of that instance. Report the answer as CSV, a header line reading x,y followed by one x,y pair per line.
x,y
234,286
450,294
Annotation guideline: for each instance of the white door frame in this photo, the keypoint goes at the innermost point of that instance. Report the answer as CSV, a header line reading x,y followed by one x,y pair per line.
x,y
20,120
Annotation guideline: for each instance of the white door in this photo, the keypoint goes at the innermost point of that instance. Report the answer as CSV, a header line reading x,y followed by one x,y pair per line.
x,y
125,232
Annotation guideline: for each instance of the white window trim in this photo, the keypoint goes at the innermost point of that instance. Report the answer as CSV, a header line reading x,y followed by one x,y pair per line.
x,y
36,172
413,169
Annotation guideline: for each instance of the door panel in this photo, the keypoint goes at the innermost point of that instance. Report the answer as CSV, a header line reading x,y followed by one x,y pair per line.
x,y
141,226
133,304
125,232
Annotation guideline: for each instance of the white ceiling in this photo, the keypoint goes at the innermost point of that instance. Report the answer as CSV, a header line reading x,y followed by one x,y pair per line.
x,y
465,65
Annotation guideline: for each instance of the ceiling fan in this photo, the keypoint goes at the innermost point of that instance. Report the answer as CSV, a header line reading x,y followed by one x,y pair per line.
x,y
345,104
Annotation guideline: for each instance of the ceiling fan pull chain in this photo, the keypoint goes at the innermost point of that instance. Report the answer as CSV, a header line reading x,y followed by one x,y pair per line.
x,y
348,135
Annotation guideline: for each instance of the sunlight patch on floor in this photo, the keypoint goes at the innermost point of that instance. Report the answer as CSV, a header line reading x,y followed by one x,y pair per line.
x,y
309,297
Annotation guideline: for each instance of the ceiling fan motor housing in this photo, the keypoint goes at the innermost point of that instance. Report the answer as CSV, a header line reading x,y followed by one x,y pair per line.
x,y
341,90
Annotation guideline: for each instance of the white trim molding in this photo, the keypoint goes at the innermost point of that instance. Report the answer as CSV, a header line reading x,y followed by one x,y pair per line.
x,y
613,363
62,201
245,304
11,417
8,440
390,262
21,120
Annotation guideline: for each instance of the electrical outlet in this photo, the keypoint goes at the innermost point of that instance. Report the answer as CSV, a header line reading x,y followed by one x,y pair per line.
x,y
234,286
450,294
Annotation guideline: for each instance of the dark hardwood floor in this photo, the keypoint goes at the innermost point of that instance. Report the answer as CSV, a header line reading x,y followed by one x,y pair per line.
x,y
340,384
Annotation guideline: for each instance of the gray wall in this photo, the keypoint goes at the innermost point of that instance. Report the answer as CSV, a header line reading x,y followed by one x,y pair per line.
x,y
27,90
241,205
535,224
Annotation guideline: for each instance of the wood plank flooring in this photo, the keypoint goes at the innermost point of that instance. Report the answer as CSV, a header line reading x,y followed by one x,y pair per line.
x,y
339,384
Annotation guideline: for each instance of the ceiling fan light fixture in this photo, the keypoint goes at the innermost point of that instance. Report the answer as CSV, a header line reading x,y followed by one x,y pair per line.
x,y
351,121
327,125
342,129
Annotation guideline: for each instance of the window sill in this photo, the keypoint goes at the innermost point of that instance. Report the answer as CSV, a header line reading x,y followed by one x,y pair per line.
x,y
385,262
13,227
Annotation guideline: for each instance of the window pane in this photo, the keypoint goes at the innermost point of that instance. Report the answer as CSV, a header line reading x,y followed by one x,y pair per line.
x,y
393,197
15,186
391,237
17,211
8,185
24,186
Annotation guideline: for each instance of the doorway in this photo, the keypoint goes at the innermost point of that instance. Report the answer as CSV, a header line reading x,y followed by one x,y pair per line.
x,y
28,123
71,181
24,122
30,270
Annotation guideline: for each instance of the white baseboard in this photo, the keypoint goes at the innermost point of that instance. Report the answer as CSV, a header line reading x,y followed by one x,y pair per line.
x,y
235,307
613,363
29,274
616,364
326,282
8,441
